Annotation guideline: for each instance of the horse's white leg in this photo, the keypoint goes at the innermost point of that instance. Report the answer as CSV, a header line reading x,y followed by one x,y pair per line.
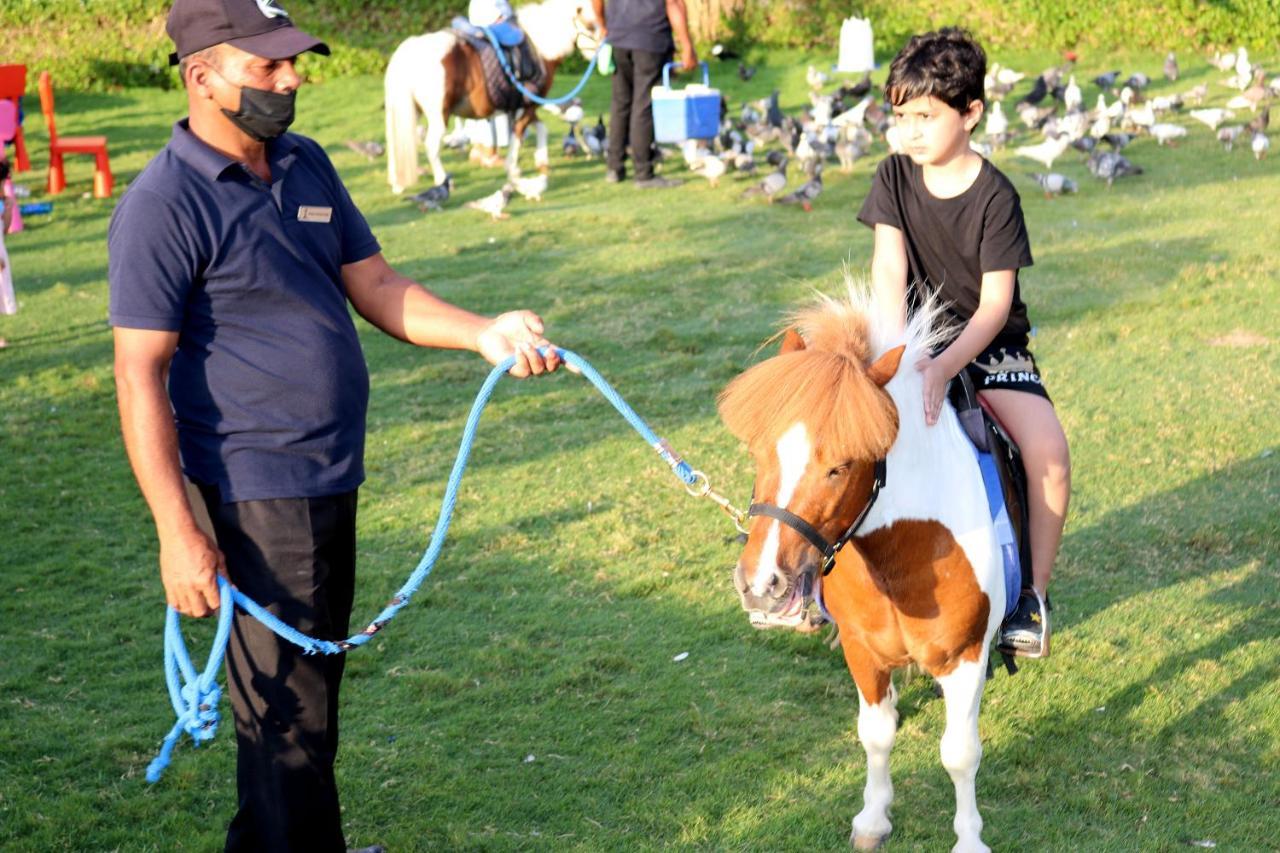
x,y
513,148
435,135
877,728
962,750
540,157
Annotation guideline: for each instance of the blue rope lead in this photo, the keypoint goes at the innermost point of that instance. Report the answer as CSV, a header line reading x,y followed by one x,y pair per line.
x,y
195,702
533,96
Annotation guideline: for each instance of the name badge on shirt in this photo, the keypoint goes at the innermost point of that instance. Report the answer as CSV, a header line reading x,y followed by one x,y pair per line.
x,y
308,213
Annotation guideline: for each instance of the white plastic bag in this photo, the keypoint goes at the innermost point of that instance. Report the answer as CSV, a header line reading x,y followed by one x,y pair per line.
x,y
857,52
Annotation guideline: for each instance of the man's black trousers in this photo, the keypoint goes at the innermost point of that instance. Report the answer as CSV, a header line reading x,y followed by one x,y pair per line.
x,y
631,111
296,557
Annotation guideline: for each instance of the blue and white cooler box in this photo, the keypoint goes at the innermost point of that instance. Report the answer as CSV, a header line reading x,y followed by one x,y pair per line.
x,y
689,113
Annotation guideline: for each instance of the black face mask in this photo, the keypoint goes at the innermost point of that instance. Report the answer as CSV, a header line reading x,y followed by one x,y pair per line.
x,y
263,115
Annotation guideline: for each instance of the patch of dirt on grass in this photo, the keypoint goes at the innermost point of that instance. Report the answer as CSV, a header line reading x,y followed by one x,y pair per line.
x,y
1240,338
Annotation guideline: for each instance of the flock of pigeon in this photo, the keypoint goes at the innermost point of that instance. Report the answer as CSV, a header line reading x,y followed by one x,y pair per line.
x,y
1057,110
843,124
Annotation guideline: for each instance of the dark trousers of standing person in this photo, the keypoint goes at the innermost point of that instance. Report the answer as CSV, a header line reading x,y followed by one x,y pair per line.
x,y
296,557
631,110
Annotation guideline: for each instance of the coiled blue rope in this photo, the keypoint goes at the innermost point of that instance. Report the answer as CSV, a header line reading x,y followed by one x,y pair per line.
x,y
534,96
195,702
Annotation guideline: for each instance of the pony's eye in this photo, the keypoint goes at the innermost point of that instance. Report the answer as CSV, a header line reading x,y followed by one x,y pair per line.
x,y
838,471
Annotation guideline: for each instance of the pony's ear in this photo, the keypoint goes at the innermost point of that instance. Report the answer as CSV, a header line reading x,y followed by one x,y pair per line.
x,y
791,342
886,366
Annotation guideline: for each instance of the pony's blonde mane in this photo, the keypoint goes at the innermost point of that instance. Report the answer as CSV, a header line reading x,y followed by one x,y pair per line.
x,y
544,23
825,385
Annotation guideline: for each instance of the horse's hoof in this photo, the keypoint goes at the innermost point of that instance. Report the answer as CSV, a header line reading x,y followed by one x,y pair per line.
x,y
867,842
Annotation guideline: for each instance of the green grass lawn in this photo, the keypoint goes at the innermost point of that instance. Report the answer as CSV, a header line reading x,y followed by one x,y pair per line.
x,y
528,699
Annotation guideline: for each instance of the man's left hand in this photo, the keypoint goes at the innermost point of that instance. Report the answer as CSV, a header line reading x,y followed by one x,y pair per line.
x,y
518,333
688,59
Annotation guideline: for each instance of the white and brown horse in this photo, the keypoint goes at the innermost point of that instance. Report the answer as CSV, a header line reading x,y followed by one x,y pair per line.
x,y
920,578
439,75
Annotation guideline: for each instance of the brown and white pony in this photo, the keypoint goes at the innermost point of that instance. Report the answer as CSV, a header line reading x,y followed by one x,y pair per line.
x,y
921,579
439,75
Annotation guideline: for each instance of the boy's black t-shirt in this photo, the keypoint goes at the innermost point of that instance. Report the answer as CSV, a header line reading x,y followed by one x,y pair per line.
x,y
951,242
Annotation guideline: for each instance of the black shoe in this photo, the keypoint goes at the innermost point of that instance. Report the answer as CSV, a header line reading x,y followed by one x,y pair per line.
x,y
614,176
657,182
1026,632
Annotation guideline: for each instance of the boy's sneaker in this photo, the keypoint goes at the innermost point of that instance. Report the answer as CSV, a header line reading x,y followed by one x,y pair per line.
x,y
1026,632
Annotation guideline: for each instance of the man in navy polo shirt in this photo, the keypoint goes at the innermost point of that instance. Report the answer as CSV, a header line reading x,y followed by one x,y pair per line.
x,y
643,35
243,389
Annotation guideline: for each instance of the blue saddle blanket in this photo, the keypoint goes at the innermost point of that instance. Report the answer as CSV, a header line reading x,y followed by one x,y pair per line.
x,y
506,33
1004,530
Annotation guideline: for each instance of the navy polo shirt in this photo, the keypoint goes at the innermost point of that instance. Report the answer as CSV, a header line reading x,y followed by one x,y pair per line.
x,y
639,25
268,384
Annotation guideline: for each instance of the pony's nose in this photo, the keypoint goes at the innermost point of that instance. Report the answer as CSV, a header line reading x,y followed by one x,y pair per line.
x,y
774,589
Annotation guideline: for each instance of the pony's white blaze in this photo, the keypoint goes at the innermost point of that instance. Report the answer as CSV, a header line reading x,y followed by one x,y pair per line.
x,y
793,450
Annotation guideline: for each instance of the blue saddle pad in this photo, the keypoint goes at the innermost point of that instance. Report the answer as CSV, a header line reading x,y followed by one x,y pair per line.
x,y
1004,530
507,33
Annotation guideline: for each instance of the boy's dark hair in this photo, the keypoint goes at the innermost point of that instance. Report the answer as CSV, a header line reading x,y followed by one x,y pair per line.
x,y
4,169
948,65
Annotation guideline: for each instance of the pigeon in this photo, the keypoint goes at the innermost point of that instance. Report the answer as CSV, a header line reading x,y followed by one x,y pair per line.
x,y
1109,165
854,91
1197,94
1072,97
1250,97
574,113
1223,61
997,122
1106,81
371,150
1117,140
773,113
808,191
1261,144
1211,117
1034,117
746,72
596,138
1229,135
711,167
1045,152
1054,184
773,183
1171,67
1037,94
531,188
494,204
571,147
1138,81
1085,144
435,197
723,53
456,139
816,79
1167,132
1259,122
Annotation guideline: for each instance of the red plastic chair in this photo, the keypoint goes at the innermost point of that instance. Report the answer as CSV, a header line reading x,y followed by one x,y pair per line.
x,y
58,146
13,85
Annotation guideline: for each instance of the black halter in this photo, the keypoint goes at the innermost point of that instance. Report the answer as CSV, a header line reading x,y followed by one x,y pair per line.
x,y
809,532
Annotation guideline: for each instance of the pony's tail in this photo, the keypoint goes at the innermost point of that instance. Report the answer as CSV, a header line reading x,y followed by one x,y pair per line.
x,y
402,121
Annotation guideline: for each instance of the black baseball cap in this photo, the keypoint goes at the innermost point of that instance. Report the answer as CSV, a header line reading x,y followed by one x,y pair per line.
x,y
260,27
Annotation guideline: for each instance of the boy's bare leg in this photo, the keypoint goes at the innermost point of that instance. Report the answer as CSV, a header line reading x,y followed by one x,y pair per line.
x,y
1033,424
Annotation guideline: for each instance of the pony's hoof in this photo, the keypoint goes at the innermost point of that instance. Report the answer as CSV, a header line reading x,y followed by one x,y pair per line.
x,y
866,842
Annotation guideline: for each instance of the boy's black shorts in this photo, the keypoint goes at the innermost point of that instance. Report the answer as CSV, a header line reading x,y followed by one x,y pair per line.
x,y
1004,367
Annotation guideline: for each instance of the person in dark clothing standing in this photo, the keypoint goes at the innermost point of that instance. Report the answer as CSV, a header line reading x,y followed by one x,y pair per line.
x,y
234,260
643,34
